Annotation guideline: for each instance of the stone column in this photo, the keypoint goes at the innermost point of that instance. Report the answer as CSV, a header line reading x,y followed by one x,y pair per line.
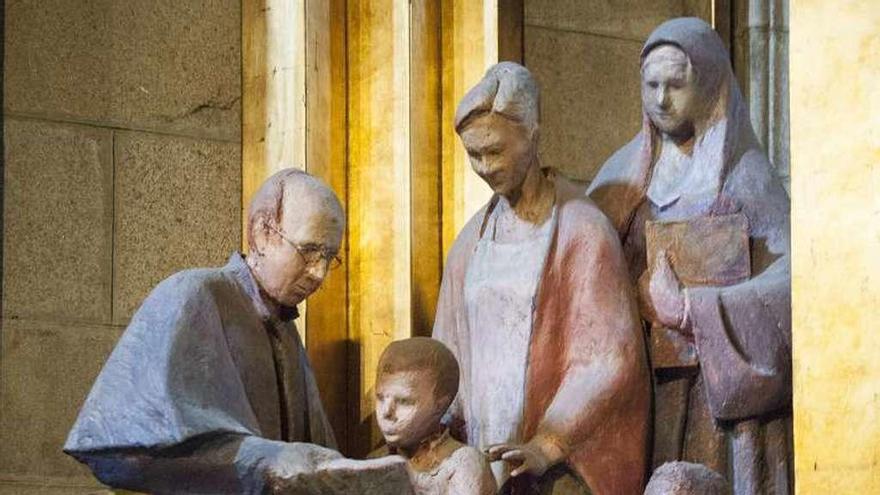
x,y
760,52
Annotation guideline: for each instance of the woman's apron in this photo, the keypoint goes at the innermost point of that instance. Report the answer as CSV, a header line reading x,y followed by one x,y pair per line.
x,y
500,287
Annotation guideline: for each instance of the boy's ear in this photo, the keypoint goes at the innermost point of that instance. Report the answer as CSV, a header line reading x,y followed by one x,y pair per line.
x,y
445,401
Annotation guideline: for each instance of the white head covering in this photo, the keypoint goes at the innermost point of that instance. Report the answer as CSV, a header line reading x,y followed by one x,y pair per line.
x,y
722,134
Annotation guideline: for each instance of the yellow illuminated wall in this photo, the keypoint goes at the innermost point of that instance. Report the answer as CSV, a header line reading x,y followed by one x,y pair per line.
x,y
380,254
835,162
470,46
273,77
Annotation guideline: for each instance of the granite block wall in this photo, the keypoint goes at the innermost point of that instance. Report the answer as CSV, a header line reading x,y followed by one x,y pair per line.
x,y
585,55
122,166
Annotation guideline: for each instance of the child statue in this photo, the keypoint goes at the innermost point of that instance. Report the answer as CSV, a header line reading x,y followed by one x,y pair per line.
x,y
416,380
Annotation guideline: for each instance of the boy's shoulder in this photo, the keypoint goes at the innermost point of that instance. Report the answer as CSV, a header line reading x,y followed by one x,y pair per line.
x,y
449,455
469,471
467,459
463,452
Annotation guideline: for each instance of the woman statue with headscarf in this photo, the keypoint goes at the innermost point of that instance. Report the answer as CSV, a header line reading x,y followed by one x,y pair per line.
x,y
696,158
537,306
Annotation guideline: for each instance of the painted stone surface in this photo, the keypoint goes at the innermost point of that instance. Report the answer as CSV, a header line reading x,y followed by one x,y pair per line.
x,y
697,157
516,322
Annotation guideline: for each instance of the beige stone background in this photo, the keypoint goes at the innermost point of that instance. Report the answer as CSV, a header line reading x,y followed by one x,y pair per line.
x,y
122,127
122,166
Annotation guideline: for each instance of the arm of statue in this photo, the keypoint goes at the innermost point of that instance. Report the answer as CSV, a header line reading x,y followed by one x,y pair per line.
x,y
220,463
246,464
606,365
583,401
605,362
743,332
472,474
662,299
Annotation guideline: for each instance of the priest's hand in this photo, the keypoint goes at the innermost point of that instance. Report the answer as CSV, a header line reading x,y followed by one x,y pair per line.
x,y
661,298
300,468
534,457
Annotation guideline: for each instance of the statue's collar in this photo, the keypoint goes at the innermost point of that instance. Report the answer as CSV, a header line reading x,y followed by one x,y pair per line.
x,y
432,451
268,312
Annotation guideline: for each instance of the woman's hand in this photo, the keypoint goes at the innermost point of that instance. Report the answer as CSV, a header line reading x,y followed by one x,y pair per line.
x,y
534,457
523,458
661,298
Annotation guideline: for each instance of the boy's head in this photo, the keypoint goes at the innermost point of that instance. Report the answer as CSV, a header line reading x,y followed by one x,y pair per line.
x,y
685,478
416,380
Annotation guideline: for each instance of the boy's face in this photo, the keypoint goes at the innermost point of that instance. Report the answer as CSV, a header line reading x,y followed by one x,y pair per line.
x,y
406,408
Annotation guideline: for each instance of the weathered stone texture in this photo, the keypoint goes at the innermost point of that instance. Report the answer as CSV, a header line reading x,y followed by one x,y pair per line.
x,y
58,221
178,205
46,371
165,67
162,64
627,19
590,103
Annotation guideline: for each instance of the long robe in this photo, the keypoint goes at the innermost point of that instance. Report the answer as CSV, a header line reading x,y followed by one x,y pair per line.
x,y
742,333
587,381
203,393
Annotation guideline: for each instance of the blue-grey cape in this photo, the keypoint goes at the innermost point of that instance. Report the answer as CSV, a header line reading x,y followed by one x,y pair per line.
x,y
204,392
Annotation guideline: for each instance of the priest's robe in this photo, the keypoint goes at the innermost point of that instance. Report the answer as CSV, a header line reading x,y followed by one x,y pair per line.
x,y
587,384
206,392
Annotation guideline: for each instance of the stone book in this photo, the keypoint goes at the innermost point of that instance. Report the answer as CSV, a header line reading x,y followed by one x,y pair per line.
x,y
703,251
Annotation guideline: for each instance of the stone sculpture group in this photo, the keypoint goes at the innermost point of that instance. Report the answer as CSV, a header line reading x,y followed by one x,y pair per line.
x,y
583,339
